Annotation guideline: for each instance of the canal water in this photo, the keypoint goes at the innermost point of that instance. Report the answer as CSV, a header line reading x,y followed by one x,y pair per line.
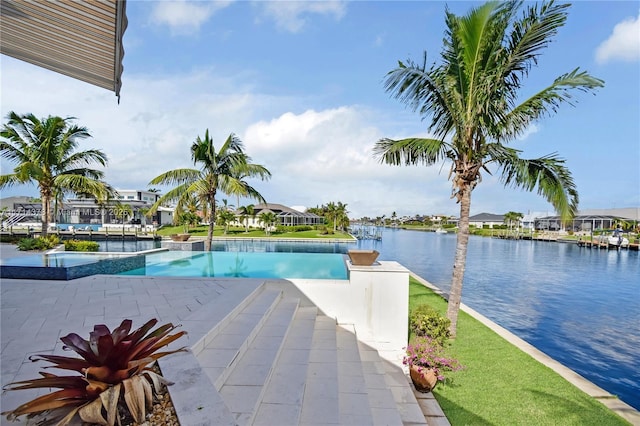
x,y
580,306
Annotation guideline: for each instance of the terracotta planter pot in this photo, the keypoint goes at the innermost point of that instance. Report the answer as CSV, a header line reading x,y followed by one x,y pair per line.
x,y
363,257
423,381
180,237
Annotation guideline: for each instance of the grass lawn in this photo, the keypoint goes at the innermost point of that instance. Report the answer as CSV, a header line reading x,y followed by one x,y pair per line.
x,y
253,233
502,385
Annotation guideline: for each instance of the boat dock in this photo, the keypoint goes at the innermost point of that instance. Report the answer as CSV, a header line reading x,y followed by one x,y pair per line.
x,y
89,235
606,245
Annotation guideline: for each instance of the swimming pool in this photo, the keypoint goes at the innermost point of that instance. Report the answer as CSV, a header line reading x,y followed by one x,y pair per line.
x,y
244,265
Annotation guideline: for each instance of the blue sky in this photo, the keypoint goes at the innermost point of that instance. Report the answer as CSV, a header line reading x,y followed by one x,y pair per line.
x,y
301,84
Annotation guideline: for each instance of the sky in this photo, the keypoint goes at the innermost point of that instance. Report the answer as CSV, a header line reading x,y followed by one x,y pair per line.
x,y
301,84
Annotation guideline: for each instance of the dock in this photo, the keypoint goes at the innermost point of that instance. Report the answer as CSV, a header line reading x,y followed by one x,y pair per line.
x,y
137,235
607,246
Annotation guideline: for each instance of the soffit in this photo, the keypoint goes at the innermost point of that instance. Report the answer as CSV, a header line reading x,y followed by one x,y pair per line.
x,y
80,39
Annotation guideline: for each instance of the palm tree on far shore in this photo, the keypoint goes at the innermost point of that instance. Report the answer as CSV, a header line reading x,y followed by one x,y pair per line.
x,y
471,99
245,213
123,211
45,151
217,172
513,218
268,219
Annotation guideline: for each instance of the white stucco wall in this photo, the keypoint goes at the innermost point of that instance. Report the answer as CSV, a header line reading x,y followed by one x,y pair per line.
x,y
375,300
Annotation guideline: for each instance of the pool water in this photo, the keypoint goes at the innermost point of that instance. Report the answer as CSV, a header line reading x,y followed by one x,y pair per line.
x,y
244,265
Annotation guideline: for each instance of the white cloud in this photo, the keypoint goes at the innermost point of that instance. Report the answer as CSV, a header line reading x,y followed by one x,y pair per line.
x,y
322,156
184,17
531,130
623,44
292,15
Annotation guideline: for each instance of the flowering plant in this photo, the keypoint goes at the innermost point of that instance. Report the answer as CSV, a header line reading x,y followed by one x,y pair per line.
x,y
426,353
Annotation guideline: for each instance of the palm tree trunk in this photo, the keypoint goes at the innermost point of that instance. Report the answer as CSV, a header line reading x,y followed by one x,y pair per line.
x,y
455,295
212,224
46,208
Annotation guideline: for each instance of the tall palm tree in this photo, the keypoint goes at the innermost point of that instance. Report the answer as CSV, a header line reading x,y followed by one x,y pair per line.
x,y
218,171
45,153
472,101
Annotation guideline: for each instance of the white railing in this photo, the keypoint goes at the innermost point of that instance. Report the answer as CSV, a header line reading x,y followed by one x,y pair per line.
x,y
13,219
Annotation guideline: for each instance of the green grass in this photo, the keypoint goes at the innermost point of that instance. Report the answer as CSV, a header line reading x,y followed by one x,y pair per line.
x,y
502,385
253,233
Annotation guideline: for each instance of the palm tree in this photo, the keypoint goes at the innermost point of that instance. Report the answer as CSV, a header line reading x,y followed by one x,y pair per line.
x,y
342,217
332,213
124,211
513,218
268,219
218,171
45,153
144,214
472,101
245,213
225,217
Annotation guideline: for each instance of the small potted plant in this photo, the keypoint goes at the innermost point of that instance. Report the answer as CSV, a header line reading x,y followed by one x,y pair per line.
x,y
428,362
186,219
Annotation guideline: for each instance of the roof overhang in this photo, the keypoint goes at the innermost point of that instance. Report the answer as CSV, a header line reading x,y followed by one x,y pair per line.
x,y
80,39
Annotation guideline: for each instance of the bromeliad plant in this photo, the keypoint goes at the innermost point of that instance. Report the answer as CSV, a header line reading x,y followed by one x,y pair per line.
x,y
426,353
113,366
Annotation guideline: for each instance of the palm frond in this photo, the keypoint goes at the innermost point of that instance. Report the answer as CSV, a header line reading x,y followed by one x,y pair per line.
x,y
411,151
548,174
547,101
177,177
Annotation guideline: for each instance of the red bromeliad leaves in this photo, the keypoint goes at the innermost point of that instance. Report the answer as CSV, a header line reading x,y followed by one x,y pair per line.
x,y
107,359
75,391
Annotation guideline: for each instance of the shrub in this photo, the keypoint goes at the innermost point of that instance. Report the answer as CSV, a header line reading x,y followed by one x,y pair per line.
x,y
40,243
113,372
426,321
77,245
303,228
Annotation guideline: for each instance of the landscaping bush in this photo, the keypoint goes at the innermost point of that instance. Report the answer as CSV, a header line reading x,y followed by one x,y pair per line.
x,y
77,245
40,243
426,321
302,228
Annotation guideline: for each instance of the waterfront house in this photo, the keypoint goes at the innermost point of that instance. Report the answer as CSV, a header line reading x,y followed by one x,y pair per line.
x,y
487,220
285,216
